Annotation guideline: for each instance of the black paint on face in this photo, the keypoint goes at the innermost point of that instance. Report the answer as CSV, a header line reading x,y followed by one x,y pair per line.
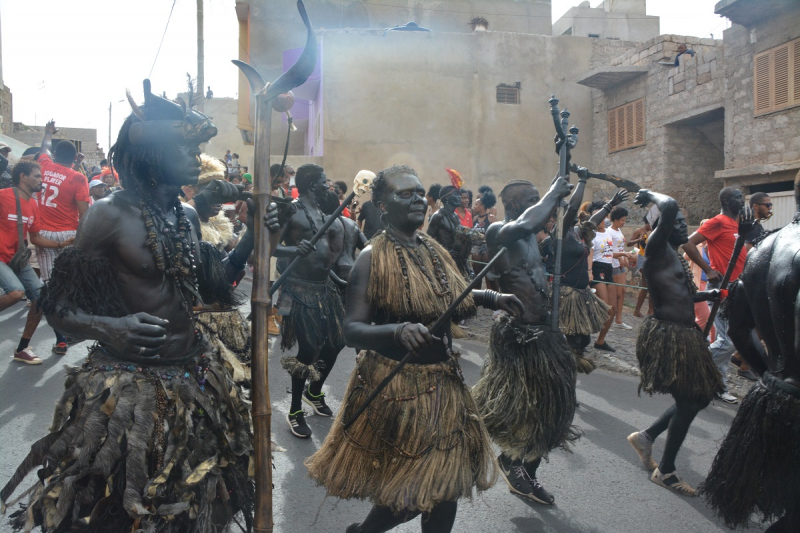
x,y
527,197
405,204
181,166
680,231
453,199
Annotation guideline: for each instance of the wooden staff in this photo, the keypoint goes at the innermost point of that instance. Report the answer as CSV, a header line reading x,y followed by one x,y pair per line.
x,y
442,320
568,142
737,249
265,94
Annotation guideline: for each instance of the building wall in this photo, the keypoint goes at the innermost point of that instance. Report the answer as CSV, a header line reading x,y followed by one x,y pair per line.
x,y
32,136
429,100
764,148
224,114
624,22
683,128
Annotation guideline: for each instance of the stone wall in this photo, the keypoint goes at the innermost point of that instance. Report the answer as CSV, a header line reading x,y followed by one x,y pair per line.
x,y
6,109
750,141
681,153
32,136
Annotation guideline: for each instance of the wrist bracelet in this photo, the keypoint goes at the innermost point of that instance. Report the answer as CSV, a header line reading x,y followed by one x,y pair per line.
x,y
490,299
608,207
399,331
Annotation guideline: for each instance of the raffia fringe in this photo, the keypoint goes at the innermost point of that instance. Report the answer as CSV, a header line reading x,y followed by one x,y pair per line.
x,y
757,468
526,392
674,359
229,332
581,312
387,291
420,443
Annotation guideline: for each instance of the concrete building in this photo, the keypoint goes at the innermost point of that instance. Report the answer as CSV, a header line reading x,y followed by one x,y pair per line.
x,y
85,140
625,20
729,115
471,100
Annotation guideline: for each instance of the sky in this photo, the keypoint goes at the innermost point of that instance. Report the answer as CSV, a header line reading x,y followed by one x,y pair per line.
x,y
70,59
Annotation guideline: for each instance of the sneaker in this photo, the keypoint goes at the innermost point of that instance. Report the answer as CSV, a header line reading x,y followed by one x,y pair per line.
x,y
317,403
540,494
644,447
463,324
60,348
27,356
622,325
728,397
517,478
297,424
672,482
747,374
605,347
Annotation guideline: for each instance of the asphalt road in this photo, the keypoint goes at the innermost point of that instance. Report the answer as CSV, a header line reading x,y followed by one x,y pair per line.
x,y
600,487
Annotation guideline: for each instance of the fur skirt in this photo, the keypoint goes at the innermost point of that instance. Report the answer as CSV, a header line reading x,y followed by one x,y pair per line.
x,y
526,392
229,333
137,448
674,359
420,443
581,312
757,468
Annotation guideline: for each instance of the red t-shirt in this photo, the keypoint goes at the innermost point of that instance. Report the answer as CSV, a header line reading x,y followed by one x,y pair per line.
x,y
466,220
63,188
9,238
721,232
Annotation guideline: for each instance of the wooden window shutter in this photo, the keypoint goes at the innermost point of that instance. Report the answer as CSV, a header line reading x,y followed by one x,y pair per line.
x,y
612,131
626,126
796,74
781,76
638,108
776,78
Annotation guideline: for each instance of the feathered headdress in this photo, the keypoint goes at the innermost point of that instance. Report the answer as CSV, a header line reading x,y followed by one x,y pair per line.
x,y
455,178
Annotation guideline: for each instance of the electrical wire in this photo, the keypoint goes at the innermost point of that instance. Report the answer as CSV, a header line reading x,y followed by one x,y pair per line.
x,y
162,37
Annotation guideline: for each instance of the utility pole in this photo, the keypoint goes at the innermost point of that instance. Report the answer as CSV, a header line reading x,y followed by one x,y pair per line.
x,y
201,83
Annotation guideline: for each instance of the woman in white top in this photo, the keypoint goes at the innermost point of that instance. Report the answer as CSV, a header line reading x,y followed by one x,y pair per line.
x,y
600,265
620,261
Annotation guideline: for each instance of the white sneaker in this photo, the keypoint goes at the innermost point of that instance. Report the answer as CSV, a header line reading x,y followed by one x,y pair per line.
x,y
728,397
622,325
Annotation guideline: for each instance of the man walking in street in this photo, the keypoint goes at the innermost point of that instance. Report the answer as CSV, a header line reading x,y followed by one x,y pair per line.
x,y
27,180
720,232
63,200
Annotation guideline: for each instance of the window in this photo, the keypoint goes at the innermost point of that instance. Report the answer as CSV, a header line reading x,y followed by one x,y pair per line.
x,y
594,35
776,78
508,94
626,126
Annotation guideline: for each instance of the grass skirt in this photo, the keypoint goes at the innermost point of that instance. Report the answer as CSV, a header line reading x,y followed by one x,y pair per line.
x,y
526,392
152,449
418,444
757,469
581,312
229,333
674,359
311,309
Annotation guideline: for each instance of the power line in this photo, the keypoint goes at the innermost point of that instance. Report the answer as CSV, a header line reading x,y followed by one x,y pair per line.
x,y
162,37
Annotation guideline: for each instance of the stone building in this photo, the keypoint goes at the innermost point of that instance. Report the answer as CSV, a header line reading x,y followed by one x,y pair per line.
x,y
625,20
729,115
6,102
85,140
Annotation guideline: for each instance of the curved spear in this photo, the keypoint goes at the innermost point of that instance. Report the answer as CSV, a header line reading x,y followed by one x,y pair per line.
x,y
265,94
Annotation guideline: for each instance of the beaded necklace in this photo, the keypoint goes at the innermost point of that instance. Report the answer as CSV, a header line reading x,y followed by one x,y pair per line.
x,y
688,273
441,287
173,252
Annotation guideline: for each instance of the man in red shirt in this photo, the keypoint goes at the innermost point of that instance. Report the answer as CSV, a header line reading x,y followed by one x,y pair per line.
x,y
720,232
27,180
63,201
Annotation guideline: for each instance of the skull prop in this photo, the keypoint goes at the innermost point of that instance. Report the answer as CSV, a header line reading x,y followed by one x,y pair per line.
x,y
362,184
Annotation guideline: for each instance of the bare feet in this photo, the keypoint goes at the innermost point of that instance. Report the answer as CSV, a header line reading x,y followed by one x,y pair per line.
x,y
638,314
